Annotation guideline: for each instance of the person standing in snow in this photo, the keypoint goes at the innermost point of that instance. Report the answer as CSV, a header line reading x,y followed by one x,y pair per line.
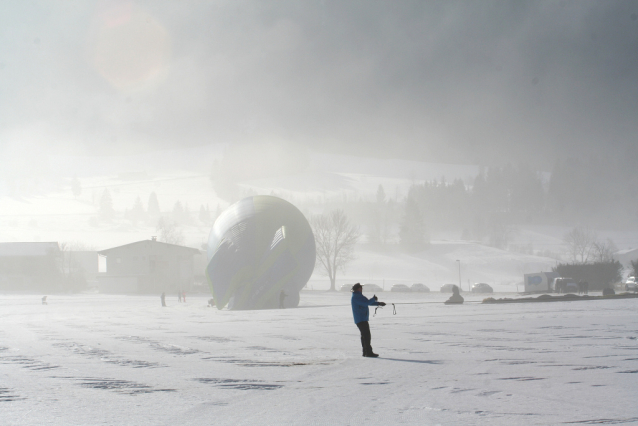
x,y
361,315
163,299
282,296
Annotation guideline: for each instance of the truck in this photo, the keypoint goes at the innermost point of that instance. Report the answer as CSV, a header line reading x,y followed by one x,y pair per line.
x,y
538,282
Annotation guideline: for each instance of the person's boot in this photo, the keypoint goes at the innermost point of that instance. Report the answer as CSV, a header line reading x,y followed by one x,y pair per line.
x,y
368,353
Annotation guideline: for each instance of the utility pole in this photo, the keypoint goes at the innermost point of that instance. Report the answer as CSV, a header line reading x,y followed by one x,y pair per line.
x,y
460,288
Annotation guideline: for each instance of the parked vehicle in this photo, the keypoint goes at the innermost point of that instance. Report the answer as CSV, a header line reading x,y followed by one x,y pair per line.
x,y
420,288
372,288
482,288
631,284
346,287
400,287
564,285
447,288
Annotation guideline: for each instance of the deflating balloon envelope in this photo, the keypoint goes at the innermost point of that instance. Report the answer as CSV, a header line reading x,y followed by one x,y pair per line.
x,y
259,247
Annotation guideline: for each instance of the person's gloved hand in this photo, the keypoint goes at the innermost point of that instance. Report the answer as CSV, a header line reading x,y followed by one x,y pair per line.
x,y
381,303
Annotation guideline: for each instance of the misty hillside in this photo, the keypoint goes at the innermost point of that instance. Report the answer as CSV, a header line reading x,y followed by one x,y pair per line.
x,y
57,214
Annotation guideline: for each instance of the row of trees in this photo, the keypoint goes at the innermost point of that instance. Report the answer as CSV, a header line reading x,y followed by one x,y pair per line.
x,y
180,213
493,207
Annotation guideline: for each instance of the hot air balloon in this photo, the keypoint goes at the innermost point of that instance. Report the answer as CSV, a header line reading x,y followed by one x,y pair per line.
x,y
257,248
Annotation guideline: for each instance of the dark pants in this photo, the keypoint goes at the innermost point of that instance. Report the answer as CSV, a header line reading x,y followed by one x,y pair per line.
x,y
366,337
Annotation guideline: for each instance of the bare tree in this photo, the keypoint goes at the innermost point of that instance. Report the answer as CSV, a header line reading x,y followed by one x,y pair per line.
x,y
604,251
72,269
335,237
581,242
169,231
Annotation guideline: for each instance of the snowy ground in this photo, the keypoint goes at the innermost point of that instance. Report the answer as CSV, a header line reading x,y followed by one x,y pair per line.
x,y
118,360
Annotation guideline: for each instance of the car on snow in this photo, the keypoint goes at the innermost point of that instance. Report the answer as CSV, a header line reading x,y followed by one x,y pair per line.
x,y
564,285
346,287
420,288
631,284
447,288
482,288
400,287
372,288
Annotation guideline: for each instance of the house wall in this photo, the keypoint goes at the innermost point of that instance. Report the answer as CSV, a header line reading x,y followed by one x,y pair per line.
x,y
128,260
159,267
30,273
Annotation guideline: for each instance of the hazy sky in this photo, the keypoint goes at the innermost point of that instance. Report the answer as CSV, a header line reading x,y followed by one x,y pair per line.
x,y
449,81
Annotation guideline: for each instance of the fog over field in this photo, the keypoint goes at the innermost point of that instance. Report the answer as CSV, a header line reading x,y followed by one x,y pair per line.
x,y
459,142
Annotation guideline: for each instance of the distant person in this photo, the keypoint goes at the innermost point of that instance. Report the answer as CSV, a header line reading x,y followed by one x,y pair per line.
x,y
282,296
163,299
211,303
179,296
581,287
361,314
184,296
586,287
456,297
44,300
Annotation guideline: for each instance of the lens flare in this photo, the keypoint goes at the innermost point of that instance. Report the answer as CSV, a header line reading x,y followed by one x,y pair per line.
x,y
129,48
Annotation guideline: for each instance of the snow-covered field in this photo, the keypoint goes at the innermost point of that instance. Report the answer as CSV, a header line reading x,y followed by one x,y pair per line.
x,y
125,360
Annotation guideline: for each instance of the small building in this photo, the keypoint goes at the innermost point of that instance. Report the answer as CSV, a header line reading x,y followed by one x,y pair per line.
x,y
147,266
539,282
31,267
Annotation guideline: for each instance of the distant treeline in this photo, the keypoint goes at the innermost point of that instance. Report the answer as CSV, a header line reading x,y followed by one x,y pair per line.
x,y
492,207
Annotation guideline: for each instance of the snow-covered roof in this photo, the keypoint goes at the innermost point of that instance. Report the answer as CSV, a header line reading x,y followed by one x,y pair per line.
x,y
627,251
28,249
148,242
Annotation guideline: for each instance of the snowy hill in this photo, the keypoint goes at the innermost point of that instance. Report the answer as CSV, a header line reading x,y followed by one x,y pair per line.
x,y
55,214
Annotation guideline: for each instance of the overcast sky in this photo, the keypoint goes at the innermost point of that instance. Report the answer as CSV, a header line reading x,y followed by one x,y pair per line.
x,y
474,82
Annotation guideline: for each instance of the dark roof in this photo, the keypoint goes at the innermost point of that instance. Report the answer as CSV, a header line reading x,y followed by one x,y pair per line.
x,y
28,249
149,242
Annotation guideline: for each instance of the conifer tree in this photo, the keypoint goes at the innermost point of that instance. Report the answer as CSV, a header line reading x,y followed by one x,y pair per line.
x,y
106,206
204,215
380,195
153,206
137,213
178,212
412,233
76,187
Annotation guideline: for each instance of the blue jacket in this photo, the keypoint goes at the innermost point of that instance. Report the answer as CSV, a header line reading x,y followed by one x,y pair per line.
x,y
360,305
